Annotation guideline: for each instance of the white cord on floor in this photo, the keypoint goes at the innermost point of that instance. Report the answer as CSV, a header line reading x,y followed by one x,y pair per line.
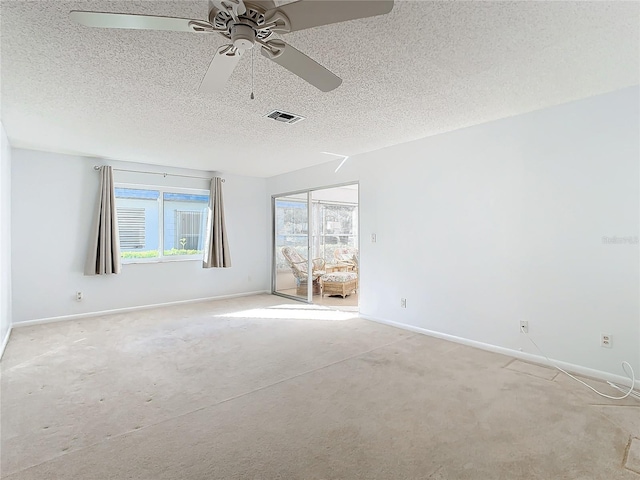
x,y
632,376
634,394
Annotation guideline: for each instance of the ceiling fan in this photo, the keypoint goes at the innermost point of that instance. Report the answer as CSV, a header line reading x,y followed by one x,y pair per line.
x,y
251,22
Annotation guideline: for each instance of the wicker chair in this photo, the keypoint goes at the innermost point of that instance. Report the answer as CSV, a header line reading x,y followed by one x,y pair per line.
x,y
347,256
299,268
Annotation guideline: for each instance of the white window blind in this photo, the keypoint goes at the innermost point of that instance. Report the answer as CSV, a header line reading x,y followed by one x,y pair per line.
x,y
131,223
188,229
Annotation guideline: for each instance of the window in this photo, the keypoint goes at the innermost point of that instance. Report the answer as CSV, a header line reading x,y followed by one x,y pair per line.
x,y
159,224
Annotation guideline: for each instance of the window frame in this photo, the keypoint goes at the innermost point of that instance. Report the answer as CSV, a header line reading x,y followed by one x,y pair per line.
x,y
162,189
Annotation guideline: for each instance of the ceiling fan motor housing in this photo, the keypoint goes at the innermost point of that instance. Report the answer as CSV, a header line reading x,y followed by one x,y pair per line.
x,y
243,36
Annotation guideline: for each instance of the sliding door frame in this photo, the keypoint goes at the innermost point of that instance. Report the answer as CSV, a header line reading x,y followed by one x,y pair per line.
x,y
309,192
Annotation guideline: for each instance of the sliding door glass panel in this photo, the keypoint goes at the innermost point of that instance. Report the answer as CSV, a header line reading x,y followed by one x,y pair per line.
x,y
335,221
291,255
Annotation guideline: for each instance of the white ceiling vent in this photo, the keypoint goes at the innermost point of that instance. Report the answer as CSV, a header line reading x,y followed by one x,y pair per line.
x,y
285,117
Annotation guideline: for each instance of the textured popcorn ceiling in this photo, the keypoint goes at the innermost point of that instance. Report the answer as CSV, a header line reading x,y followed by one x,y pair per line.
x,y
426,68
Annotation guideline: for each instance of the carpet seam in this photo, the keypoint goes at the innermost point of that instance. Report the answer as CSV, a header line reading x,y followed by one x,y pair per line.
x,y
625,457
624,430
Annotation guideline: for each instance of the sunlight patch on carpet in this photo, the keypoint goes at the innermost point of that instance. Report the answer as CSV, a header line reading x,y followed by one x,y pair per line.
x,y
294,312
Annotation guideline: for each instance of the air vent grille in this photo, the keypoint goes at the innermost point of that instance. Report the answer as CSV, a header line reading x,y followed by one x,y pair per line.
x,y
285,117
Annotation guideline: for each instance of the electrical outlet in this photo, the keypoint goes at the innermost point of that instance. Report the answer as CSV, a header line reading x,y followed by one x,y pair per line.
x,y
403,303
524,326
606,340
79,296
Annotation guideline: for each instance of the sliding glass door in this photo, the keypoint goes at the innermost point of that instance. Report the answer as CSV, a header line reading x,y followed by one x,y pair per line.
x,y
317,231
291,242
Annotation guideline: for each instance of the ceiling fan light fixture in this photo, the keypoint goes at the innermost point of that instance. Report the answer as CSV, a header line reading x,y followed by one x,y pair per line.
x,y
243,36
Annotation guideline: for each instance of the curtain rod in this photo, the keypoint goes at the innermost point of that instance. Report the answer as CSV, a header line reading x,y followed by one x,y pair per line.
x,y
97,167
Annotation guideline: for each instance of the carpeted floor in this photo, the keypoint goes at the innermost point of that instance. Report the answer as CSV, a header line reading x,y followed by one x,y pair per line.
x,y
263,388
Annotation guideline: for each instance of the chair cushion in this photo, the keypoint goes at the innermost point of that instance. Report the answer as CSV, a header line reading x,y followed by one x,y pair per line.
x,y
339,277
292,255
345,254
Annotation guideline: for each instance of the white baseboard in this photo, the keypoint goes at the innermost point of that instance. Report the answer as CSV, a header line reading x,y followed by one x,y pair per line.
x,y
78,316
576,369
5,341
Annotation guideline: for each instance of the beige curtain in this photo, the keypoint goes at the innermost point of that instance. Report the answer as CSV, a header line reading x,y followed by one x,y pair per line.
x,y
104,247
216,246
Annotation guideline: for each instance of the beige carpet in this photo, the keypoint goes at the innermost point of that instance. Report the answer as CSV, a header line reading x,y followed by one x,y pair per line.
x,y
262,388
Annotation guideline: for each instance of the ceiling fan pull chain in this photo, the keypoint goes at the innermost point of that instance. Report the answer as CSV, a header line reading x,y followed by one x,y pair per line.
x,y
252,96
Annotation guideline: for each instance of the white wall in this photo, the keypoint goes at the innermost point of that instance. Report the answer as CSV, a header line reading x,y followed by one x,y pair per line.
x,y
482,227
53,201
340,194
5,237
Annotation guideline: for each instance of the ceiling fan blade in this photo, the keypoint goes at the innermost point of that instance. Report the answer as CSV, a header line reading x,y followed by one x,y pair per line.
x,y
138,22
220,69
266,4
308,14
297,62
